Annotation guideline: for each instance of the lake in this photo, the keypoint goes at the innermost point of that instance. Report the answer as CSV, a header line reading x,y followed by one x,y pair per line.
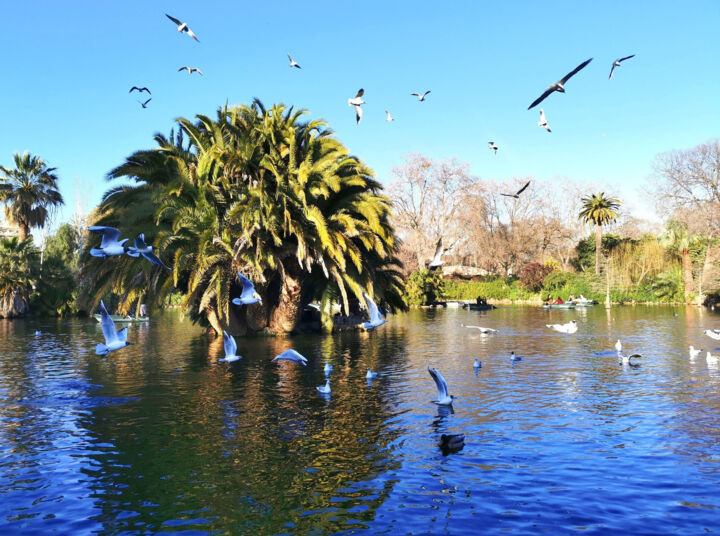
x,y
159,437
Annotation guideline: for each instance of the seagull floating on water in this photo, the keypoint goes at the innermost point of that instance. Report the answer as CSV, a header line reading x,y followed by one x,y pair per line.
x,y
356,102
436,262
230,348
482,330
291,355
419,96
139,90
477,364
190,70
114,340
713,333
388,117
570,327
146,251
559,85
626,359
370,375
693,352
248,296
183,27
618,346
444,399
451,442
376,318
711,359
514,357
324,389
543,121
293,63
617,63
109,245
327,369
516,195
493,146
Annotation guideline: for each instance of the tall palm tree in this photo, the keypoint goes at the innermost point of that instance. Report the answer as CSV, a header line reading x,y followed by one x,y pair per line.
x,y
16,275
677,240
29,191
599,210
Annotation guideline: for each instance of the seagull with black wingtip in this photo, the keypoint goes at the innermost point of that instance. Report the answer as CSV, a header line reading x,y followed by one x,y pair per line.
x,y
560,84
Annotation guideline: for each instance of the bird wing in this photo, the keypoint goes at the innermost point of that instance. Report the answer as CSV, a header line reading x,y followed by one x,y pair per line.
x,y
521,190
623,59
290,58
437,257
173,19
191,34
107,325
199,72
110,235
248,289
541,97
140,241
358,113
184,67
372,309
145,103
154,259
509,195
612,70
439,382
415,94
426,93
122,334
230,345
133,88
291,355
574,71
360,93
145,89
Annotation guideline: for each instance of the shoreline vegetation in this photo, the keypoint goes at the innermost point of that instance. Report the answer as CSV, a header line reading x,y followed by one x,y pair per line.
x,y
275,196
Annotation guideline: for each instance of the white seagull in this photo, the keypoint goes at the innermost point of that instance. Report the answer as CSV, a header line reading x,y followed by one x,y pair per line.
x,y
191,70
693,352
109,245
493,146
618,346
291,355
230,348
543,121
376,319
248,296
327,369
293,63
482,330
324,389
712,333
419,96
370,375
570,327
617,63
388,117
436,262
559,85
626,359
183,27
356,102
711,359
514,357
477,364
444,399
141,248
114,340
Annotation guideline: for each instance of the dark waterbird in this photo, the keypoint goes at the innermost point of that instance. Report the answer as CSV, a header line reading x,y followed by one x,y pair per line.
x,y
521,190
451,442
139,90
559,85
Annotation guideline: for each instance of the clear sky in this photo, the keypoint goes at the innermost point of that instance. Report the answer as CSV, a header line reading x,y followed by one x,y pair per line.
x,y
68,66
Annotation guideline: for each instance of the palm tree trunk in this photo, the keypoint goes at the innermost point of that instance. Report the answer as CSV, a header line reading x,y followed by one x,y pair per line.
x,y
286,315
24,231
598,248
687,273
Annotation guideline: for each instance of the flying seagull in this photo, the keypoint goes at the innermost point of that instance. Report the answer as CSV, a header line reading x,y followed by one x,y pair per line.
x,y
139,89
370,375
376,318
144,104
355,102
109,246
570,327
388,117
230,348
482,330
293,63
419,96
114,340
617,63
493,146
248,296
291,355
183,27
324,389
146,251
521,190
560,85
444,399
191,70
437,261
543,121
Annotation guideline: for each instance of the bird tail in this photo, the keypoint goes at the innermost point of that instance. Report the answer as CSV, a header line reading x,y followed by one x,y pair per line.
x,y
101,349
97,252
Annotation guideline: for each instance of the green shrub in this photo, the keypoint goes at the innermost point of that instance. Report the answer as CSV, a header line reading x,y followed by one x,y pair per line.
x,y
423,287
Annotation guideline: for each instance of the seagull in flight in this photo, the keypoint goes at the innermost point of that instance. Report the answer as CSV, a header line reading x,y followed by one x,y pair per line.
x,y
559,85
376,318
230,348
183,27
291,355
419,96
109,246
388,117
482,330
113,340
492,145
141,248
570,327
543,121
356,102
248,296
617,63
293,63
444,399
517,194
190,70
437,261
139,90
144,104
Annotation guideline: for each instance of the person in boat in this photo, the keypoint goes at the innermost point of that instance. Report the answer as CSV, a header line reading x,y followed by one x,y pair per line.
x,y
571,298
143,310
582,298
549,299
559,301
481,301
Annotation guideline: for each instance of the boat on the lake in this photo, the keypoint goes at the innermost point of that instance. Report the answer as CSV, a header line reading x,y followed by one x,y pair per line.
x,y
559,306
584,303
479,306
124,318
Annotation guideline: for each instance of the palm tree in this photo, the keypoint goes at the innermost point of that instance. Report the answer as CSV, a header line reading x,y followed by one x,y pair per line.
x,y
16,275
29,192
677,241
599,210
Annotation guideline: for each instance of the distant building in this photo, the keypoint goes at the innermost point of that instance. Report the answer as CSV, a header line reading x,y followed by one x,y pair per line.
x,y
7,228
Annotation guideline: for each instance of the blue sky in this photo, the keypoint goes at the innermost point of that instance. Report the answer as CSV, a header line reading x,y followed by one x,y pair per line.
x,y
68,67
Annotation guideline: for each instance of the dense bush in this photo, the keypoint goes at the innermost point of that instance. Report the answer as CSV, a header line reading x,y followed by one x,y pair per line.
x,y
423,287
490,289
533,274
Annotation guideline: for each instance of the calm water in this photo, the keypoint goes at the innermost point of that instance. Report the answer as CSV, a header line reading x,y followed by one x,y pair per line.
x,y
159,437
